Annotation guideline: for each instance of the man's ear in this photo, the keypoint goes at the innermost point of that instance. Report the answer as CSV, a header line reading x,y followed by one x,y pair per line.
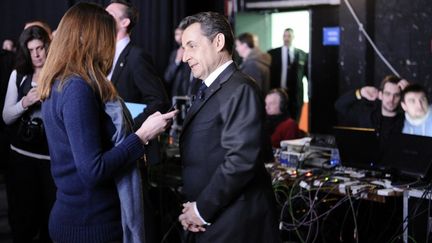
x,y
403,106
124,23
219,41
380,95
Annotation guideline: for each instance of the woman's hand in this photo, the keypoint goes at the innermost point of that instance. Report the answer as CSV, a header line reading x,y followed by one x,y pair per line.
x,y
155,124
31,98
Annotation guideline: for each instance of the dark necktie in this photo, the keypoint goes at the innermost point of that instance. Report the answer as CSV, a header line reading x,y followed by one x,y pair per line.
x,y
201,91
288,57
199,97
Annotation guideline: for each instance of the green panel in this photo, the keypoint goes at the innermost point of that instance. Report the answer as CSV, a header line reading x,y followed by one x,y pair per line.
x,y
255,23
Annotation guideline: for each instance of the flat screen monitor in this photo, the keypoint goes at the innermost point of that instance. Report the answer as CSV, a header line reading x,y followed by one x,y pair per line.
x,y
409,155
358,147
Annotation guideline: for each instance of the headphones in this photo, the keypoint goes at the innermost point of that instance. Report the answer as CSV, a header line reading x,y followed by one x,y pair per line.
x,y
283,105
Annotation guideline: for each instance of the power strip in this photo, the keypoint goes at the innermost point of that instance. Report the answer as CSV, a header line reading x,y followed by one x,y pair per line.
x,y
386,192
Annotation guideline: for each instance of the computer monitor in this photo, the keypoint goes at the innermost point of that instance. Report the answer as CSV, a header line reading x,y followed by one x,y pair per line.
x,y
358,147
409,155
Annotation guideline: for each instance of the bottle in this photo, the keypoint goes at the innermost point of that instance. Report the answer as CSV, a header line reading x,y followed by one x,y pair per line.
x,y
334,157
276,154
283,158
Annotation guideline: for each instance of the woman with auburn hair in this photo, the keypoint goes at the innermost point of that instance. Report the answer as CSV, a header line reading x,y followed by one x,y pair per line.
x,y
85,153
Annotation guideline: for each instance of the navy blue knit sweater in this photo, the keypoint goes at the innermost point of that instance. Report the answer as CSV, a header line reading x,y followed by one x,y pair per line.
x,y
83,163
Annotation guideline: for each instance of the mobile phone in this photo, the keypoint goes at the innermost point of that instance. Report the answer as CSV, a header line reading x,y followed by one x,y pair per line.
x,y
173,107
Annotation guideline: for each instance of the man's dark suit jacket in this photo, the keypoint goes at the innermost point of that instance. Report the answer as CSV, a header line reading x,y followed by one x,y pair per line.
x,y
136,81
223,172
296,71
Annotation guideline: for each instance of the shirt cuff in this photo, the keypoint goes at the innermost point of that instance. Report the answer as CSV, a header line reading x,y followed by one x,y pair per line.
x,y
22,105
199,216
358,94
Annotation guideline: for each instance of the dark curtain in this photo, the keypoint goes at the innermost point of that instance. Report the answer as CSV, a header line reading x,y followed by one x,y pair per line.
x,y
17,12
159,18
153,32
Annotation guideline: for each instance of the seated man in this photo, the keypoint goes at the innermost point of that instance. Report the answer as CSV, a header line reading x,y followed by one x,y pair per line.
x,y
278,123
418,120
372,108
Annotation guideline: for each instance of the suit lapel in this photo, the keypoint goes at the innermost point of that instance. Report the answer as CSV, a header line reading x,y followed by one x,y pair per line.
x,y
296,55
121,63
209,93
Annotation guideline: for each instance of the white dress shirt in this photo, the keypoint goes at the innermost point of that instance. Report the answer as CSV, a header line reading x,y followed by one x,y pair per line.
x,y
284,66
212,77
120,46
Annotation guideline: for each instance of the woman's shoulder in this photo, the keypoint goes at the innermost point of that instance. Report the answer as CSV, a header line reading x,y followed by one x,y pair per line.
x,y
73,87
13,76
76,83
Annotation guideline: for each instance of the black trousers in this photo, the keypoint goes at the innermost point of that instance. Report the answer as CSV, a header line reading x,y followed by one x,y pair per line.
x,y
31,194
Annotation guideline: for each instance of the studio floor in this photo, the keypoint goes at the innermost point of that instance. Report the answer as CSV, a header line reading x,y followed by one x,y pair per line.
x,y
5,234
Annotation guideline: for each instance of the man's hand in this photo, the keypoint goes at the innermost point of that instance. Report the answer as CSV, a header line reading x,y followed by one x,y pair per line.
x,y
369,93
402,84
189,219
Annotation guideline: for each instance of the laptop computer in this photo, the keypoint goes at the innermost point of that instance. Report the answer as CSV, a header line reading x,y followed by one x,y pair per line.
x,y
358,147
409,155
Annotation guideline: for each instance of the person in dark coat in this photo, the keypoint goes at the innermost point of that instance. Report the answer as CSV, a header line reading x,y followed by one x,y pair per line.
x,y
289,66
228,192
255,62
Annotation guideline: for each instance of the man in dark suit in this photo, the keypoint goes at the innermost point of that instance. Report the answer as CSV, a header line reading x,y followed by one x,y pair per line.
x,y
133,73
229,192
289,66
